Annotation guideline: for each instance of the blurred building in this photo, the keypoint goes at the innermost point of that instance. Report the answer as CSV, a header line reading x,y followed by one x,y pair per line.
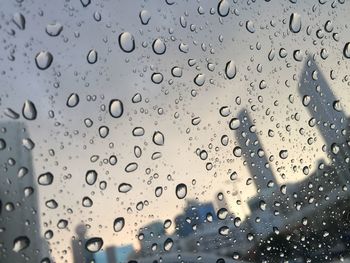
x,y
20,235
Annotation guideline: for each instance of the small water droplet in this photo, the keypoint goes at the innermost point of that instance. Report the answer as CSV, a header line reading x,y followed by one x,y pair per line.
x,y
19,21
138,131
103,131
223,8
54,29
283,154
157,78
168,244
237,151
250,26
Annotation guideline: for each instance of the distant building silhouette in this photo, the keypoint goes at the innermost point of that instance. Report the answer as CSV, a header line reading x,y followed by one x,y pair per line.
x,y
80,254
20,235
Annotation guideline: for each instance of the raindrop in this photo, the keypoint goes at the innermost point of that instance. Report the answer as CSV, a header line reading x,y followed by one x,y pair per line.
x,y
337,106
223,8
103,131
283,154
168,244
199,79
124,188
116,108
136,98
28,144
19,21
45,178
237,151
54,29
126,42
11,113
73,100
91,177
94,244
224,231
29,111
157,78
43,60
158,46
92,56
335,148
118,224
176,72
131,167
158,191
295,22
158,138
87,202
52,204
230,69
20,243
138,131
250,26
145,17
181,191
234,124
85,3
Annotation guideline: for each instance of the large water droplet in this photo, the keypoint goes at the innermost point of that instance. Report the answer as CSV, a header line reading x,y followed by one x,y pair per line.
x,y
94,244
103,131
131,167
118,224
223,8
158,46
92,56
230,69
45,178
126,42
73,100
199,79
91,177
43,60
157,78
234,124
283,154
295,22
124,187
158,138
250,26
145,17
87,202
20,243
116,108
138,131
54,29
346,50
29,111
19,21
181,191
168,244
237,151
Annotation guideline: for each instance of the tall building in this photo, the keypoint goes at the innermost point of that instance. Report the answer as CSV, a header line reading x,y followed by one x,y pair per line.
x,y
326,110
20,235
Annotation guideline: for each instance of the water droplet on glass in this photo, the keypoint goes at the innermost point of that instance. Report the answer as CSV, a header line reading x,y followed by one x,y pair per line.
x,y
230,69
54,29
283,154
103,131
43,60
199,79
250,26
346,50
73,100
126,42
237,151
45,178
295,22
335,148
131,167
91,177
94,244
138,131
11,113
181,191
168,244
116,108
158,46
92,56
158,138
85,3
176,72
136,98
157,78
223,8
52,204
118,224
87,202
234,124
19,21
158,191
28,144
337,106
124,188
224,231
145,17
29,111
20,243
